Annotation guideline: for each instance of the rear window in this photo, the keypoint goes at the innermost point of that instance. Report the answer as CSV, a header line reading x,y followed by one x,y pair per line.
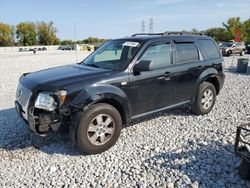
x,y
186,52
209,49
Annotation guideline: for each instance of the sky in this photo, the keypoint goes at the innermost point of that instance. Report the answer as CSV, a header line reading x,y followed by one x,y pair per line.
x,y
119,18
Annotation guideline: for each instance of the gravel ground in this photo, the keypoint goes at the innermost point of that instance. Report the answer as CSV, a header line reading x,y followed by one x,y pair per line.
x,y
169,149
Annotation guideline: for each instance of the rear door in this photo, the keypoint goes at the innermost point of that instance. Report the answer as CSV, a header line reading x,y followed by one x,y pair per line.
x,y
188,67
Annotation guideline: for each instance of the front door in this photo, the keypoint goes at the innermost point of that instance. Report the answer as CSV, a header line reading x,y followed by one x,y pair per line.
x,y
152,90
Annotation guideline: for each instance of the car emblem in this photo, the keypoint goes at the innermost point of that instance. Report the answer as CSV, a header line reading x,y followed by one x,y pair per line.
x,y
20,92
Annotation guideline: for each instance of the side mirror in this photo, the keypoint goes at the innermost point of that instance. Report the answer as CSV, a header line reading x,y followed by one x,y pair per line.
x,y
233,45
143,65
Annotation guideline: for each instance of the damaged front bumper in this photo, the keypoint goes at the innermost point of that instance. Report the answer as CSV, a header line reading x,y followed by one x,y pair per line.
x,y
40,121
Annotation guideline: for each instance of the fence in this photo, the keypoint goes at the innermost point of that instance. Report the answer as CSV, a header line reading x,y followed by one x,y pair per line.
x,y
16,48
79,47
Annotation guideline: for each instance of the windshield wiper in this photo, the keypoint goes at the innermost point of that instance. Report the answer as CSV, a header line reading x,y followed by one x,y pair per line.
x,y
92,65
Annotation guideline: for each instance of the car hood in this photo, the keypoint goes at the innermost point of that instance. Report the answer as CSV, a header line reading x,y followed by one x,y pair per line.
x,y
59,77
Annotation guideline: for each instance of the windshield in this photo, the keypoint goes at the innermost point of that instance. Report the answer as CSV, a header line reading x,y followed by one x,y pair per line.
x,y
114,54
227,44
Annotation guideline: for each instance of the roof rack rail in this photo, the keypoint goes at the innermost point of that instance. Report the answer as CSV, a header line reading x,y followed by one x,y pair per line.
x,y
169,33
137,34
182,33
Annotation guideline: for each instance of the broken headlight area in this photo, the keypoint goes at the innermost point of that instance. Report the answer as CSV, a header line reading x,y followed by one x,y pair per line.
x,y
50,101
46,102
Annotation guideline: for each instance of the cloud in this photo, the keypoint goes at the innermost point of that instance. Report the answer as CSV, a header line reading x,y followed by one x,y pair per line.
x,y
220,4
168,2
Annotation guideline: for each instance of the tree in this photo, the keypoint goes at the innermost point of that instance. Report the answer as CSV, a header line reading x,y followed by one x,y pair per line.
x,y
26,33
47,34
246,31
234,24
6,35
218,33
67,42
93,40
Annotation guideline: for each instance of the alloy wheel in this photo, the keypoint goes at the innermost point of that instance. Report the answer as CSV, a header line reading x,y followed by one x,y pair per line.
x,y
207,99
101,129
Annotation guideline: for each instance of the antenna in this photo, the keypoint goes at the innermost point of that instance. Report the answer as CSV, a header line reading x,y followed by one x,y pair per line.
x,y
151,25
75,42
143,26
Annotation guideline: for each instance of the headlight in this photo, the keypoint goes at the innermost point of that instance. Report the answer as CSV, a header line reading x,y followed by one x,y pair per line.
x,y
45,101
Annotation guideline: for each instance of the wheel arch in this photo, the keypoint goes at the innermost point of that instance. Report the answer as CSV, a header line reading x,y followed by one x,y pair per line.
x,y
211,76
101,94
117,105
213,79
111,101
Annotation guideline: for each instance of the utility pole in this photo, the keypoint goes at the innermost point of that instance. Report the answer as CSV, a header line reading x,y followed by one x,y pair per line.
x,y
75,42
143,26
151,25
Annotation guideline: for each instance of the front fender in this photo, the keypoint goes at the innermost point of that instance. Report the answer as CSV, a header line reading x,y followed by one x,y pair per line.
x,y
98,93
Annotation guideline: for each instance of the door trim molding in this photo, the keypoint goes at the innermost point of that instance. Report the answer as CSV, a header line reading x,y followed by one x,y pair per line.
x,y
160,109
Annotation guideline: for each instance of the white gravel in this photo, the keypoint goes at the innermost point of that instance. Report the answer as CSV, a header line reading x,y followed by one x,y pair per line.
x,y
168,149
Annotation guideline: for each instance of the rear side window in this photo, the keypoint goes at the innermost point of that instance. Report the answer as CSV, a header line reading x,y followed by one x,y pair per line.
x,y
186,52
209,49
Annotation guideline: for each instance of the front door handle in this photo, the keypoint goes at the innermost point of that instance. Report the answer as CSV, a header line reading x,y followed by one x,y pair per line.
x,y
199,67
167,74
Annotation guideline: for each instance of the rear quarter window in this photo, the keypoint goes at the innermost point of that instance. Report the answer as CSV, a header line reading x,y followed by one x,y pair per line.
x,y
209,49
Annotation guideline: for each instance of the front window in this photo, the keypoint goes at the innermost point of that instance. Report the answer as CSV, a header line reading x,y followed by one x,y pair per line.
x,y
114,54
160,54
227,44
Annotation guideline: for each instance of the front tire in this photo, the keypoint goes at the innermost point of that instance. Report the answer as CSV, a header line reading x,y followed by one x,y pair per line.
x,y
99,128
229,53
205,99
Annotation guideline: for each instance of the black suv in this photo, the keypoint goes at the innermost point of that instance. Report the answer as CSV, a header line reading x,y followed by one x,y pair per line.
x,y
122,80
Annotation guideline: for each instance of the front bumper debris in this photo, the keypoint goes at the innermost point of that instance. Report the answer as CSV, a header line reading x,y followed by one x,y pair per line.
x,y
40,121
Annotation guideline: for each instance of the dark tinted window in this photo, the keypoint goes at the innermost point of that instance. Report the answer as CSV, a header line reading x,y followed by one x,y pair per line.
x,y
186,52
160,54
209,49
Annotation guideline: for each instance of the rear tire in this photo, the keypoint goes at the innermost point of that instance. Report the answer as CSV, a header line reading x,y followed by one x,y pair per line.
x,y
205,99
98,129
242,53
